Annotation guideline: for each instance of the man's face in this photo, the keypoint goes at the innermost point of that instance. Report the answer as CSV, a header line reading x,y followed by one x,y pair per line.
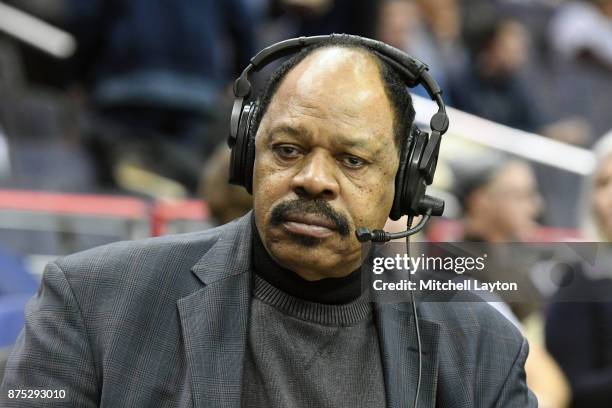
x,y
511,47
399,21
513,201
325,163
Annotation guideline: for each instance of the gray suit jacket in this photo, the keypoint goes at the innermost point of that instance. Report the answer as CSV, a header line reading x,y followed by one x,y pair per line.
x,y
163,323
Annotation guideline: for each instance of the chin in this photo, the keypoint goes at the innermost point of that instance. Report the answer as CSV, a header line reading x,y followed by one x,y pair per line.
x,y
299,258
305,253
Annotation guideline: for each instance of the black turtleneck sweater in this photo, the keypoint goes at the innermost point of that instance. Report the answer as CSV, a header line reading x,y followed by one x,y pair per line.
x,y
310,344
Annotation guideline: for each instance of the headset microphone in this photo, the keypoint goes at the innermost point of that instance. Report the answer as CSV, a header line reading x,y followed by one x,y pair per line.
x,y
428,206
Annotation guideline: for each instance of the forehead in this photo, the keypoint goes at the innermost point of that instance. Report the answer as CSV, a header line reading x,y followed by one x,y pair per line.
x,y
336,87
515,173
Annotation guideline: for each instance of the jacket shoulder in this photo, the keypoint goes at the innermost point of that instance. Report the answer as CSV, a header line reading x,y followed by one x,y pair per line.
x,y
132,265
480,346
472,314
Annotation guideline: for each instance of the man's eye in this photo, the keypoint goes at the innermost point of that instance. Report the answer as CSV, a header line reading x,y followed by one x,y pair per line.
x,y
353,162
287,151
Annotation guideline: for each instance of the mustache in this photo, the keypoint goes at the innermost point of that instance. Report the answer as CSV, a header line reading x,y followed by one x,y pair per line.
x,y
317,207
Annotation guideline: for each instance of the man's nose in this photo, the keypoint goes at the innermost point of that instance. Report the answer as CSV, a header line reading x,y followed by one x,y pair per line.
x,y
316,178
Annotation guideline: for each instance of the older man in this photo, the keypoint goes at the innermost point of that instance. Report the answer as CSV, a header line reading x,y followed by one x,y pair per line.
x,y
268,311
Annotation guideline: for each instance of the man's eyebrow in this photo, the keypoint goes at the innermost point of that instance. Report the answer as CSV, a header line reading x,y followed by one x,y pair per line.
x,y
289,130
362,145
347,141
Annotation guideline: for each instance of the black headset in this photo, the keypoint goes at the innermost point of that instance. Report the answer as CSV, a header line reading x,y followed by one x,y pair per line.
x,y
419,151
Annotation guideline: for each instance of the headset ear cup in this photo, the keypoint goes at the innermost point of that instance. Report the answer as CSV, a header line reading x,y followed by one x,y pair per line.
x,y
238,157
415,183
249,162
409,183
401,176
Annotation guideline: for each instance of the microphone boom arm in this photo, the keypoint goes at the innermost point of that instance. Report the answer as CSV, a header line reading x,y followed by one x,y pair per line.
x,y
364,234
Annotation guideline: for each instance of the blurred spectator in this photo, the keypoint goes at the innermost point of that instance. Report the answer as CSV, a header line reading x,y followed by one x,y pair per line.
x,y
400,23
596,206
494,86
500,197
154,71
583,30
226,202
501,203
584,352
490,86
441,44
428,30
443,18
317,17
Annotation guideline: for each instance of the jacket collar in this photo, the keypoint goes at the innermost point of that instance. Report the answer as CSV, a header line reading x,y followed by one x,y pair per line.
x,y
215,318
230,255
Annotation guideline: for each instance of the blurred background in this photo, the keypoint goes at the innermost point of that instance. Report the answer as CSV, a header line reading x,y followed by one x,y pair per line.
x,y
114,116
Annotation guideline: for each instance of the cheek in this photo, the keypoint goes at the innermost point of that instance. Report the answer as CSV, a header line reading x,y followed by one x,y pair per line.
x,y
518,212
505,213
268,187
371,204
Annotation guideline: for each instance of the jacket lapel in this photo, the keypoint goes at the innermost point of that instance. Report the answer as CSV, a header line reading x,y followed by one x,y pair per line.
x,y
399,351
215,319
